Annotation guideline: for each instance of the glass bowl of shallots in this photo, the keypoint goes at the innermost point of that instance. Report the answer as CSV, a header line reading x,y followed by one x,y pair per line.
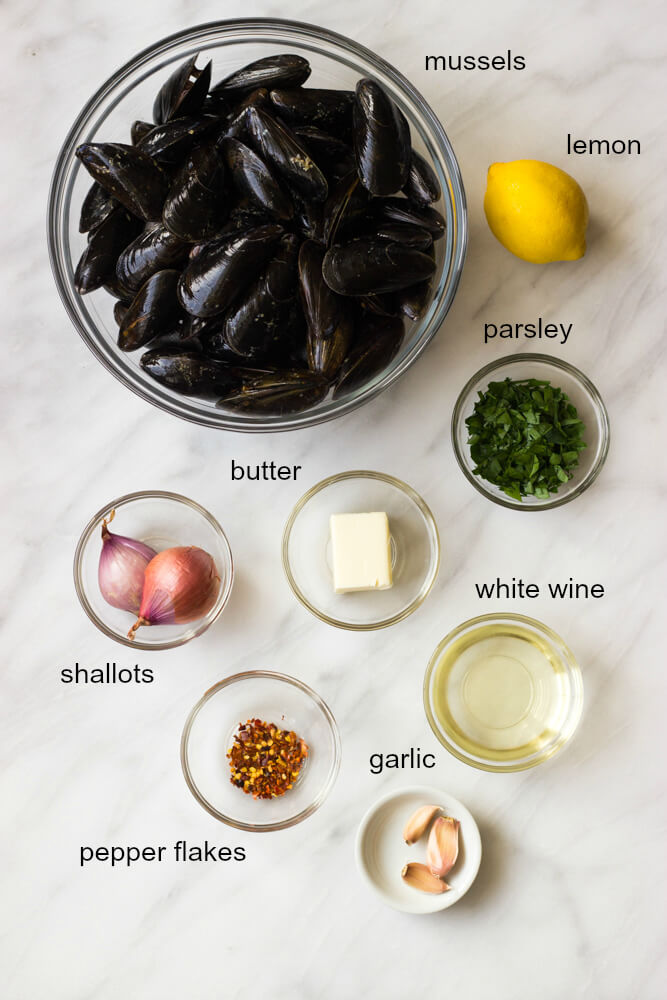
x,y
153,570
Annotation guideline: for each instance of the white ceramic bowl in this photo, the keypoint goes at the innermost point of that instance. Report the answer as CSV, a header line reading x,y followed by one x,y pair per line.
x,y
381,851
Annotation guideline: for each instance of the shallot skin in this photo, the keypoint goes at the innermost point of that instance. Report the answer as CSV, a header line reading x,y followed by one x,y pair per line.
x,y
180,585
122,568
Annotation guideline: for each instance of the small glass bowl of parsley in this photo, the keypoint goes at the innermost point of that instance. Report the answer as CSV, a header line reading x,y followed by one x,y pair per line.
x,y
530,432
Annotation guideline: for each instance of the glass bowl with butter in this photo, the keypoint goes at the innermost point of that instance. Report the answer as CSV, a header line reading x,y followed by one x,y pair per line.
x,y
361,550
503,692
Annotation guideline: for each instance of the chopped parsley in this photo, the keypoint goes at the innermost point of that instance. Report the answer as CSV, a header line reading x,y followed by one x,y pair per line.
x,y
525,437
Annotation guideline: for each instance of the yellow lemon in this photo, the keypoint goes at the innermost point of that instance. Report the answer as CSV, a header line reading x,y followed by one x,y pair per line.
x,y
538,212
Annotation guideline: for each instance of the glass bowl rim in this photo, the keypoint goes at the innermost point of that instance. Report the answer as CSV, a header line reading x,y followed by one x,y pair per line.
x,y
575,707
122,501
426,513
455,195
578,376
333,770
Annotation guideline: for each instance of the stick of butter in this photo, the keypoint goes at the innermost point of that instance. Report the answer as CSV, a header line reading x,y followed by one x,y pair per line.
x,y
361,552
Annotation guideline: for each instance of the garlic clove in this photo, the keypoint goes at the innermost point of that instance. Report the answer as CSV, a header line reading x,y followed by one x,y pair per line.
x,y
418,823
442,849
420,877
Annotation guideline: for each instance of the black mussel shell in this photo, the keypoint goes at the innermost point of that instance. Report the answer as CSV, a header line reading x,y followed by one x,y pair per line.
x,y
366,267
170,142
214,278
280,149
197,204
422,185
402,210
236,127
153,312
393,232
334,157
189,372
381,140
130,175
153,250
97,206
328,316
275,392
258,98
183,93
309,218
381,305
139,130
112,287
256,324
414,301
119,310
330,110
376,345
210,334
244,216
253,179
346,205
272,71
97,265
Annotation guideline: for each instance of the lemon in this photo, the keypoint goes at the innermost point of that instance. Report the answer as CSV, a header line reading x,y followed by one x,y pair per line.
x,y
537,211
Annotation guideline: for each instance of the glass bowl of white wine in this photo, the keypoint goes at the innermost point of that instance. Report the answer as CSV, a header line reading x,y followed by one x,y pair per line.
x,y
503,692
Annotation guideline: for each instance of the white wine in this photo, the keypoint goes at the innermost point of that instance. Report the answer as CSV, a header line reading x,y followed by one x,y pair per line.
x,y
501,691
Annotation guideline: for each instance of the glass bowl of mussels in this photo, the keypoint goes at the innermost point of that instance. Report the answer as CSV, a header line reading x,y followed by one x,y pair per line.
x,y
257,225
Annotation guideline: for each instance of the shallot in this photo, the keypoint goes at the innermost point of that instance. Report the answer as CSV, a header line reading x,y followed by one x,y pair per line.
x,y
121,569
180,585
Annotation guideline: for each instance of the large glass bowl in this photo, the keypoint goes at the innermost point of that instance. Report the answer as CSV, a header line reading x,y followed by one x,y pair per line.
x,y
337,62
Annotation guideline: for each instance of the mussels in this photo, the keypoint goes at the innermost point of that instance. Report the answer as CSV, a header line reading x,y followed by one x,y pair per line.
x,y
183,93
189,373
254,179
218,274
256,325
97,264
153,250
265,241
153,312
366,267
381,140
97,206
328,316
275,392
330,110
271,71
170,142
422,184
280,147
196,206
377,345
130,175
423,216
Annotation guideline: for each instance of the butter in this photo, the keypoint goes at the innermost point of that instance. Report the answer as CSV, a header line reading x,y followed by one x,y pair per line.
x,y
361,552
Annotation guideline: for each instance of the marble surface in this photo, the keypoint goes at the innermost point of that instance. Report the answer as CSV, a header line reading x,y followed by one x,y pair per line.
x,y
569,901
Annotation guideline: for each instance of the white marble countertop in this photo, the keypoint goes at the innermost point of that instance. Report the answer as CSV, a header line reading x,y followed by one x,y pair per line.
x,y
569,901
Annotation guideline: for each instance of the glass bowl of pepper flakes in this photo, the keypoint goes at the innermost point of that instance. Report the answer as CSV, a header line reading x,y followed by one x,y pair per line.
x,y
260,751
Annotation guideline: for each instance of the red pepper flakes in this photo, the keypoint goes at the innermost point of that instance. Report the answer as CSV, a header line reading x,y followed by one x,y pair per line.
x,y
265,761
